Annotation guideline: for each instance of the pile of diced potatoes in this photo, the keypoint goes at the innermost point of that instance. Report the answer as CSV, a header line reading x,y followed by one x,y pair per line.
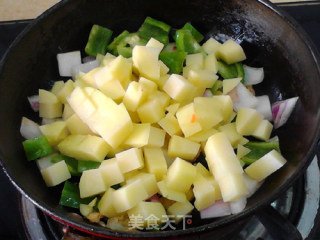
x,y
148,127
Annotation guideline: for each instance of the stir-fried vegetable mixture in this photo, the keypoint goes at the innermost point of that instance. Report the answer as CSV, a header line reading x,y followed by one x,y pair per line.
x,y
125,134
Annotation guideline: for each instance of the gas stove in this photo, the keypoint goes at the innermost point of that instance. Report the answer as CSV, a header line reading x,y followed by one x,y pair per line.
x,y
295,215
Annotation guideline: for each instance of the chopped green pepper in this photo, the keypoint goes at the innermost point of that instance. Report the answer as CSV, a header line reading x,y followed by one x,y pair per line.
x,y
195,33
152,28
228,71
99,38
112,47
124,51
186,43
173,60
72,163
37,147
258,150
70,196
87,165
217,86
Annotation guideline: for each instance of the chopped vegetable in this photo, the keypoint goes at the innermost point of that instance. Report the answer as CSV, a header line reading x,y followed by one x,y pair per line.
x,y
37,147
195,33
253,75
98,40
70,196
87,165
112,47
29,129
258,150
186,43
218,209
34,102
282,110
264,107
72,163
173,60
66,61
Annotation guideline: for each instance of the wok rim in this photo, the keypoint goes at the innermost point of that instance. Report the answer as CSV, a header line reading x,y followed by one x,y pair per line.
x,y
105,232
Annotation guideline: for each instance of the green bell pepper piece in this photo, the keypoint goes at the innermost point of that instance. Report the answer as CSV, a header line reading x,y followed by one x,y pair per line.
x,y
195,33
217,86
112,47
186,43
70,196
231,70
173,60
72,163
159,24
240,71
124,51
258,150
87,165
37,148
98,41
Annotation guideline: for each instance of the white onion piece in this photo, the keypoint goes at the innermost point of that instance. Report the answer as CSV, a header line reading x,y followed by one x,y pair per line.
x,y
238,205
88,59
282,110
252,185
49,120
207,93
253,76
264,107
34,102
84,68
29,129
274,139
66,61
218,209
245,98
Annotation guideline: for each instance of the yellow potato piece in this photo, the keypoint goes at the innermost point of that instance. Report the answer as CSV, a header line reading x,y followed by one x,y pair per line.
x,y
183,148
91,183
155,162
55,132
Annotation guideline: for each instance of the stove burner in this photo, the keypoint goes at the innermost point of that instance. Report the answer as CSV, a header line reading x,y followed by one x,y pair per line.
x,y
298,206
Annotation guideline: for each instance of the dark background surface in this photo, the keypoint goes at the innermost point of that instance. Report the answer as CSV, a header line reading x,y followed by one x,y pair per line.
x,y
11,226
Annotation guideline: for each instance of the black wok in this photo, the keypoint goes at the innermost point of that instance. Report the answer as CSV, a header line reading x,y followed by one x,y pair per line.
x,y
269,37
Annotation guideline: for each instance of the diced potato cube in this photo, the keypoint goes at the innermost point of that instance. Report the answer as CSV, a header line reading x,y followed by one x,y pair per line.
x,y
77,126
195,60
49,105
145,135
129,196
146,60
121,68
162,80
163,98
221,157
65,91
163,69
202,135
134,96
248,120
55,173
130,159
266,165
188,120
155,43
67,112
113,151
263,130
155,162
151,111
181,174
215,184
84,147
113,89
183,148
170,124
89,77
170,193
211,46
204,193
105,204
111,172
202,78
226,105
202,170
231,52
230,131
56,87
208,112
91,183
148,86
242,151
180,209
232,187
108,58
148,181
211,63
230,84
178,88
55,132
151,212
85,209
173,108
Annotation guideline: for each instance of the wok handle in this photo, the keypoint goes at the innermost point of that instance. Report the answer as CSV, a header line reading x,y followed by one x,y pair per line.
x,y
278,227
